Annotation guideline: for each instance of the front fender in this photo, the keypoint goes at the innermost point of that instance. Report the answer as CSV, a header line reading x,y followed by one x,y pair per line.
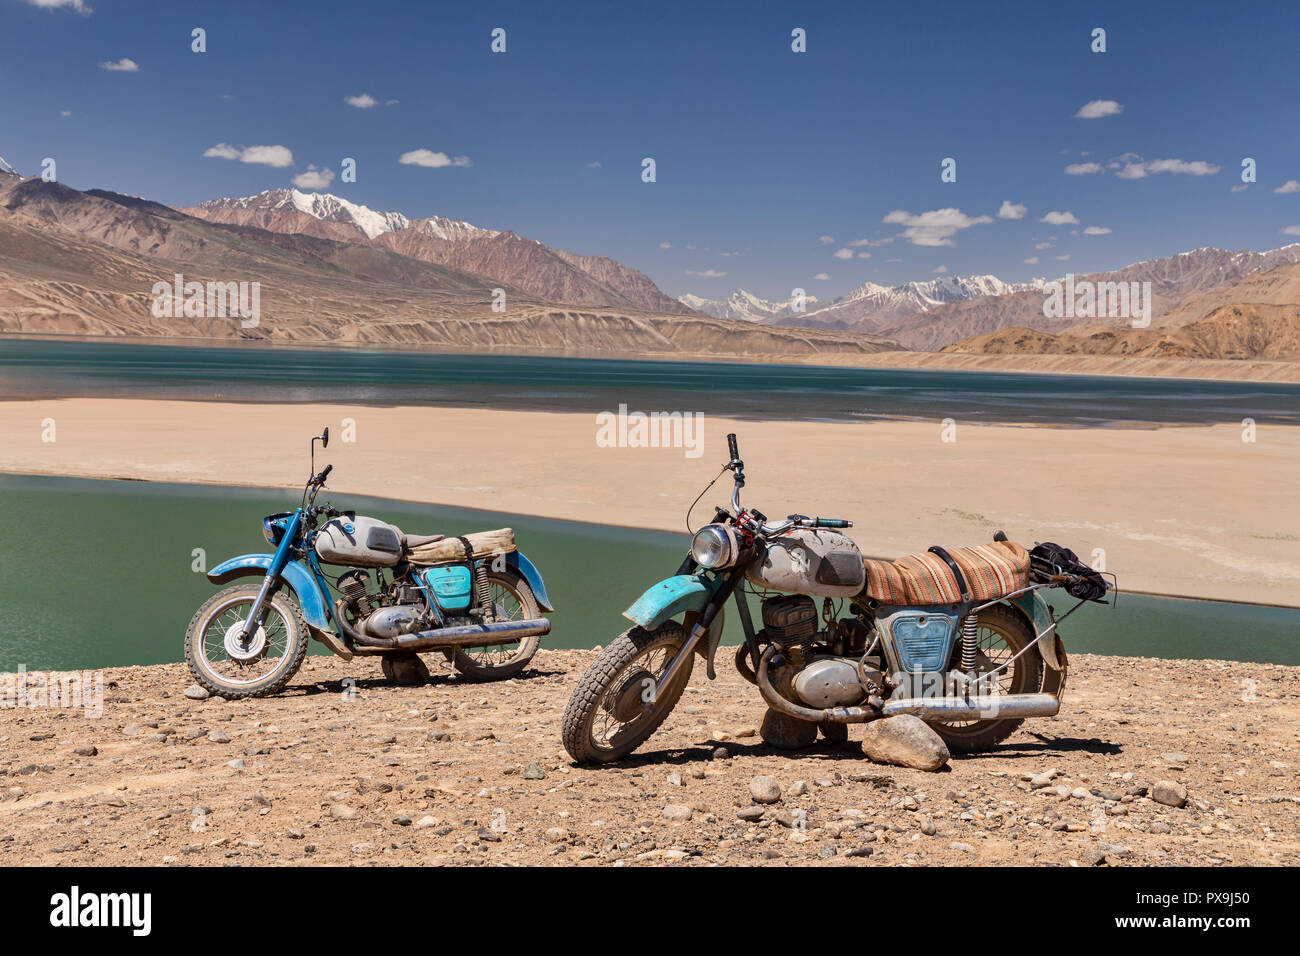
x,y
682,593
305,588
529,572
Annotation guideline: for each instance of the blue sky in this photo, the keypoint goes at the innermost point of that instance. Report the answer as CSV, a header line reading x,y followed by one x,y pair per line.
x,y
760,152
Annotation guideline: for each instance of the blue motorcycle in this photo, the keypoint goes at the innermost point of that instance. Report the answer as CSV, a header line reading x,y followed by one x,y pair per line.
x,y
475,598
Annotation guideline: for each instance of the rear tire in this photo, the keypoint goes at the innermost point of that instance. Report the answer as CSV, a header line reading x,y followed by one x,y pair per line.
x,y
611,687
512,596
1003,633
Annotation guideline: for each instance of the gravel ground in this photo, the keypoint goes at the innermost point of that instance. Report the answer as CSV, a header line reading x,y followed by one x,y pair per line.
x,y
343,768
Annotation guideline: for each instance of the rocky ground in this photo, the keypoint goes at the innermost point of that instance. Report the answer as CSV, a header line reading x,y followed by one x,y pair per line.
x,y
344,768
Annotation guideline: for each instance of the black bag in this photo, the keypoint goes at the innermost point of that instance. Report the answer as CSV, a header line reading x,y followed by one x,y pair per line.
x,y
1049,559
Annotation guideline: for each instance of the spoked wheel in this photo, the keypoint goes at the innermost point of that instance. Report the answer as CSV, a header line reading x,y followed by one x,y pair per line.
x,y
231,666
1002,634
613,709
512,600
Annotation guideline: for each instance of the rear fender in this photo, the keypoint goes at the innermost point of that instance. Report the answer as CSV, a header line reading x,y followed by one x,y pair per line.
x,y
1051,648
529,572
306,590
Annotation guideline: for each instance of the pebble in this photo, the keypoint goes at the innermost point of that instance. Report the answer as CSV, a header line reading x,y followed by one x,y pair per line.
x,y
751,814
799,788
219,737
425,822
678,812
195,692
341,811
87,750
534,771
1169,793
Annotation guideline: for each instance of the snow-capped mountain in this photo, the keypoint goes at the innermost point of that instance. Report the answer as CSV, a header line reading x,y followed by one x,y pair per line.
x,y
327,207
7,169
527,265
868,307
745,306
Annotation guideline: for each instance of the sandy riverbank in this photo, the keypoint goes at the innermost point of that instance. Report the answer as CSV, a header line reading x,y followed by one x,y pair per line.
x,y
1190,511
344,768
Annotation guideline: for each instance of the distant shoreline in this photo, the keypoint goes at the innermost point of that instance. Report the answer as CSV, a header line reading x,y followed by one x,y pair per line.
x,y
1244,370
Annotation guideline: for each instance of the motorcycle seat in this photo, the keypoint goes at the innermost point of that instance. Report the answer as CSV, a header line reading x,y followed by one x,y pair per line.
x,y
990,571
412,541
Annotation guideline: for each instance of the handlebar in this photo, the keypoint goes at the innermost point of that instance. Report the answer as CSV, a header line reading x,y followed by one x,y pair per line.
x,y
325,473
731,447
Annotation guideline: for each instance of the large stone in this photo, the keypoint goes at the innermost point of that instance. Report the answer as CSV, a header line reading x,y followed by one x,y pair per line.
x,y
764,790
905,740
406,670
785,732
1169,793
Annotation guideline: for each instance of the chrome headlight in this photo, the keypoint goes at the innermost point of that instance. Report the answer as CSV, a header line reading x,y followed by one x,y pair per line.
x,y
714,546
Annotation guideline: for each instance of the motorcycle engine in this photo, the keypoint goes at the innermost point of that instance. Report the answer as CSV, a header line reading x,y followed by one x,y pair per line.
x,y
818,667
399,609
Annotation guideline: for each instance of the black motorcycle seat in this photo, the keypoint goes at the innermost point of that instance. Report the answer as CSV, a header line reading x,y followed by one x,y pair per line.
x,y
411,541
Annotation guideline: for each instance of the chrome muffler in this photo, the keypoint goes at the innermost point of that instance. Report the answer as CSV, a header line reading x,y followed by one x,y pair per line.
x,y
472,635
985,707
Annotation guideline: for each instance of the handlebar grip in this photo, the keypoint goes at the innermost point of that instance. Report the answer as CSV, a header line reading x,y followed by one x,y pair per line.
x,y
833,523
731,446
324,474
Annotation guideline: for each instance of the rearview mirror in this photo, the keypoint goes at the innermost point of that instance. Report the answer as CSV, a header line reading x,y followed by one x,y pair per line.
x,y
325,438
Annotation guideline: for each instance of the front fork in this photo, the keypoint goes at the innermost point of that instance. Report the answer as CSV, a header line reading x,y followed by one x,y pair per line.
x,y
257,613
701,627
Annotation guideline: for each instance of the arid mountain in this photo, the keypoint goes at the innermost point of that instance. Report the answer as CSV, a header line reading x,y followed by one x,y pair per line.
x,y
86,263
553,275
871,307
1256,317
1245,331
1175,281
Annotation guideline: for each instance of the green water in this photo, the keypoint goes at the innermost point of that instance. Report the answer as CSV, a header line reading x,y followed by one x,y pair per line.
x,y
100,573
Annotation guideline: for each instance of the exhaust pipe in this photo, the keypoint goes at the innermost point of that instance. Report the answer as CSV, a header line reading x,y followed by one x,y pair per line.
x,y
988,707
468,635
472,635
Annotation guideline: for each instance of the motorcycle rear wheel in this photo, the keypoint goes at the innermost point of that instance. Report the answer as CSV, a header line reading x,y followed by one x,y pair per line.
x,y
606,719
1002,634
284,644
513,600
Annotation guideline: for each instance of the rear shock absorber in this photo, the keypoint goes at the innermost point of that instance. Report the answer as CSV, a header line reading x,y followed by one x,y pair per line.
x,y
484,599
969,641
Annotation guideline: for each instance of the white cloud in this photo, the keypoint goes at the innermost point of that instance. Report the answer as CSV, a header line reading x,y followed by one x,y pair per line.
x,y
362,101
65,112
221,151
77,6
845,253
1043,245
1131,167
268,155
1083,169
1097,231
1060,218
124,65
1290,186
1032,261
665,245
1011,210
934,228
864,255
391,102
1240,187
1292,230
595,164
821,276
707,273
872,242
1064,258
279,156
314,178
825,239
1096,109
426,157
940,270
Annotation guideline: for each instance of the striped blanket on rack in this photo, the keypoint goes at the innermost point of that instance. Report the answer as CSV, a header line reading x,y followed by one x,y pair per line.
x,y
990,570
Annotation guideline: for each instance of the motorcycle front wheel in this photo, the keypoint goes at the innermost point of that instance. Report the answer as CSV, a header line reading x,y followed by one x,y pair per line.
x,y
612,712
228,667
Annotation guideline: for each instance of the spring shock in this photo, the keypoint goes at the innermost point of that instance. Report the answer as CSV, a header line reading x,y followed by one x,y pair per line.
x,y
484,599
969,641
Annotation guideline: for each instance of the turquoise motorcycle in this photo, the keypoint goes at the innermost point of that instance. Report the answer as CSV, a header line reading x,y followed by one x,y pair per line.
x,y
960,638
475,598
